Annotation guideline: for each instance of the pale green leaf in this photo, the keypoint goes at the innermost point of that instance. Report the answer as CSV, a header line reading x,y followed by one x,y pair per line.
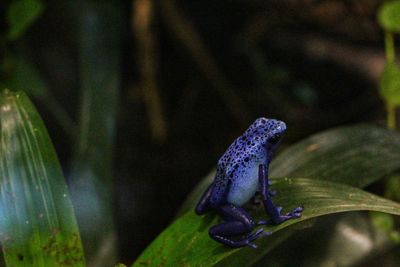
x,y
37,223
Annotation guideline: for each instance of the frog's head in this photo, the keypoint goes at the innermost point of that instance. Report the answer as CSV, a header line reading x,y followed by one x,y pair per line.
x,y
267,132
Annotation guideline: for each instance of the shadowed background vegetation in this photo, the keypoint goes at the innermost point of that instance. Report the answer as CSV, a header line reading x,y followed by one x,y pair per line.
x,y
140,99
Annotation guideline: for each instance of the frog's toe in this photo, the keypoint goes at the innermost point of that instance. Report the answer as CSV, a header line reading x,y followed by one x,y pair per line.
x,y
293,215
252,245
296,213
259,233
262,222
255,235
248,240
298,209
279,218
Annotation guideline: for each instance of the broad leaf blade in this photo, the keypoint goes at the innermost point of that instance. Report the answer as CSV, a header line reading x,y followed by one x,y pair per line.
x,y
37,223
186,241
356,155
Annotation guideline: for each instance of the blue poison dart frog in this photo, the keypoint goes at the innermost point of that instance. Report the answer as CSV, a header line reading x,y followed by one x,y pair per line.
x,y
242,171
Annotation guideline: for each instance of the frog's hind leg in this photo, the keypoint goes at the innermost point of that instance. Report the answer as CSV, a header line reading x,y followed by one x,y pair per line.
x,y
237,223
204,203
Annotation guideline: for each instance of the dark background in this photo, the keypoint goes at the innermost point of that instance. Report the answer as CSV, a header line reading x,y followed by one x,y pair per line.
x,y
193,75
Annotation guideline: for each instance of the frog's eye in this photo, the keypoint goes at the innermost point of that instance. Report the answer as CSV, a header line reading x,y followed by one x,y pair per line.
x,y
275,139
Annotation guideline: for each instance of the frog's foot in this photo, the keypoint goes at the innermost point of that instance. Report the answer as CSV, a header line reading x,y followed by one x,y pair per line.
x,y
218,233
237,223
255,235
279,218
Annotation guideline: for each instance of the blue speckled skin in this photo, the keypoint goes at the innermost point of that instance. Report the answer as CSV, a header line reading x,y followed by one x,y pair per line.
x,y
242,171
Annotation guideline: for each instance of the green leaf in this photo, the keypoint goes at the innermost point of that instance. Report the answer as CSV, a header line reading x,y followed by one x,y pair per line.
x,y
389,16
20,15
37,223
186,241
357,155
390,83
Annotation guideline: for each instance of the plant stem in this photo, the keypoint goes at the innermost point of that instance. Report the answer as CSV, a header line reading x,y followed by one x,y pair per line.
x,y
390,57
389,47
142,25
391,116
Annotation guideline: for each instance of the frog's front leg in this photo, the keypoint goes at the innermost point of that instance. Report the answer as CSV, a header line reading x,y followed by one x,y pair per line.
x,y
273,211
237,223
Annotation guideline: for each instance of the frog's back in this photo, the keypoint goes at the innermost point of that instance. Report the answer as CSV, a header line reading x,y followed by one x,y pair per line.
x,y
236,179
222,181
237,170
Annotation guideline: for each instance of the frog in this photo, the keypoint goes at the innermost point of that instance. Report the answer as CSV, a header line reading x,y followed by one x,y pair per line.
x,y
242,173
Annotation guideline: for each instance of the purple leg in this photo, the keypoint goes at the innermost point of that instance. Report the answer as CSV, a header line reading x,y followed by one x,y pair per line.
x,y
237,222
204,203
273,211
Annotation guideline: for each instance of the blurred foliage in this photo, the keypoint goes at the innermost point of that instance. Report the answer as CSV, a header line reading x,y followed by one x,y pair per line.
x,y
389,20
388,16
24,75
393,187
141,97
390,84
92,175
20,15
386,223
